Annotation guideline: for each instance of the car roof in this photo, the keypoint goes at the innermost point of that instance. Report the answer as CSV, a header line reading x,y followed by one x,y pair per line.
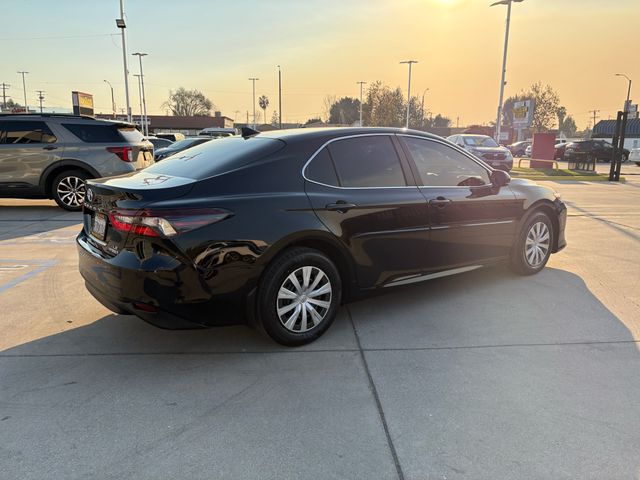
x,y
295,134
61,116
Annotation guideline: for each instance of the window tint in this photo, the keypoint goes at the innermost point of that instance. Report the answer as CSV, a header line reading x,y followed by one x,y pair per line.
x,y
216,157
442,166
321,169
25,132
367,162
95,133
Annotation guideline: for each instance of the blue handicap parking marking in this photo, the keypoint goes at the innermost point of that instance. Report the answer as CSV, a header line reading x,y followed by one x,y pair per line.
x,y
25,269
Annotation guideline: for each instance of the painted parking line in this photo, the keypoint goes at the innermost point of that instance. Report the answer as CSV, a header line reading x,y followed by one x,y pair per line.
x,y
18,265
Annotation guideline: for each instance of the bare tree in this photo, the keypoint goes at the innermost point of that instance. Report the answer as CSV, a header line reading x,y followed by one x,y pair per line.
x,y
188,103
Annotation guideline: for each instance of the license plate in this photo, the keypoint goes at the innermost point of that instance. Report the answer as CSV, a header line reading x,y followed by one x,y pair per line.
x,y
99,226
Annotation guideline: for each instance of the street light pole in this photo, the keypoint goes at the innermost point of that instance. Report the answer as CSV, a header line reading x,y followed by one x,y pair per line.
x,y
504,62
254,100
140,97
113,102
361,84
627,104
410,62
120,23
279,98
24,89
422,107
145,127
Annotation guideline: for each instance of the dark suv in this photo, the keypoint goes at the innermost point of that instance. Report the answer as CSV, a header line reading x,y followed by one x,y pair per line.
x,y
591,150
51,156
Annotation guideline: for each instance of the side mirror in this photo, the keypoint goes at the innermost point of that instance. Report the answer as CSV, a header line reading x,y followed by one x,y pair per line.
x,y
500,178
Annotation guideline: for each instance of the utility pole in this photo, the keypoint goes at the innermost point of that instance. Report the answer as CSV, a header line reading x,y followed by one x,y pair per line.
x,y
120,23
627,104
279,98
41,98
422,108
145,125
409,62
504,62
253,79
24,89
5,87
595,115
361,83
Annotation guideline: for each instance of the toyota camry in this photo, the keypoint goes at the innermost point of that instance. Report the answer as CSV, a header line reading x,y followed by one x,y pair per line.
x,y
279,229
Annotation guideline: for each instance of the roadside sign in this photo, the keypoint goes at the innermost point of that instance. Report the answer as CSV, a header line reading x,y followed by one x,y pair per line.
x,y
523,113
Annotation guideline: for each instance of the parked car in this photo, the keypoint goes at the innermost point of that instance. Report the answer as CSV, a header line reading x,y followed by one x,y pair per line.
x,y
52,155
528,150
280,228
634,156
217,132
174,137
179,146
159,142
589,150
518,149
559,150
486,149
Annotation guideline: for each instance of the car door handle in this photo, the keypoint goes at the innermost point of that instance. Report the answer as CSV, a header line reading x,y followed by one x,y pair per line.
x,y
340,206
50,147
439,202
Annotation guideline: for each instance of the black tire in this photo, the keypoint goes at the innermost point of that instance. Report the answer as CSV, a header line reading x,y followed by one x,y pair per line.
x,y
278,276
68,189
625,158
525,259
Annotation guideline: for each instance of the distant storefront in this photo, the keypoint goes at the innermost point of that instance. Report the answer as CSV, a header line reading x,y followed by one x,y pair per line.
x,y
177,124
605,129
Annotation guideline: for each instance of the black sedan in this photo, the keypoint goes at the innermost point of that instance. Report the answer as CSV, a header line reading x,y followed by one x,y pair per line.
x,y
591,151
179,146
278,229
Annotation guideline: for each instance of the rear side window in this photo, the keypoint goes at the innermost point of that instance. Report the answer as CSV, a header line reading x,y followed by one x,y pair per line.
x,y
321,169
25,132
216,157
104,133
367,161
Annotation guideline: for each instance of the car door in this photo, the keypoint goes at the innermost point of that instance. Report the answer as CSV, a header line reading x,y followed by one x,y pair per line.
x,y
471,221
362,190
26,148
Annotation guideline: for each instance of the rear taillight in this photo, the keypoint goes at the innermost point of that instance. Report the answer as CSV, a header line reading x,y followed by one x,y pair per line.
x,y
124,153
165,223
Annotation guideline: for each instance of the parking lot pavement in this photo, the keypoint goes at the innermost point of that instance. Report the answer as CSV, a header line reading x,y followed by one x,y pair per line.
x,y
483,375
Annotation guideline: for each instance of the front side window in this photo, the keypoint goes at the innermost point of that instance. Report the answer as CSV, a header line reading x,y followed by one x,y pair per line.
x,y
367,161
442,166
25,132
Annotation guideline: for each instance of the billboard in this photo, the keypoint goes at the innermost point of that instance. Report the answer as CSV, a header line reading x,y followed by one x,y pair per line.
x,y
82,103
522,113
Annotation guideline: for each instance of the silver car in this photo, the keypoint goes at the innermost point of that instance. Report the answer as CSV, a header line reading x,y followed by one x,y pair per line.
x,y
634,156
486,149
51,155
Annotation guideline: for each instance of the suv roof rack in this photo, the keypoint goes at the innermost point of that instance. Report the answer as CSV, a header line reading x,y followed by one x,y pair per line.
x,y
67,115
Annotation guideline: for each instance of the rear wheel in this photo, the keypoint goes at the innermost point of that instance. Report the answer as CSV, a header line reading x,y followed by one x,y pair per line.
x,y
299,296
68,189
533,247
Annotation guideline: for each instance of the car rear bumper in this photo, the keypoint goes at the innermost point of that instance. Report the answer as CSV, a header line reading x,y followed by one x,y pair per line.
x,y
160,290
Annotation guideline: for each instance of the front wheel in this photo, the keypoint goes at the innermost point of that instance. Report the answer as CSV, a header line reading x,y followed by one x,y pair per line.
x,y
299,296
533,247
68,189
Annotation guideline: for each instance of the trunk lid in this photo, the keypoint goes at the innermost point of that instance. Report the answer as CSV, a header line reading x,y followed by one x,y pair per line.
x,y
129,192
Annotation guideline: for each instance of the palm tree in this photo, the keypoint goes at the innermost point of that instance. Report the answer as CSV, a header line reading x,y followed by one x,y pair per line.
x,y
263,101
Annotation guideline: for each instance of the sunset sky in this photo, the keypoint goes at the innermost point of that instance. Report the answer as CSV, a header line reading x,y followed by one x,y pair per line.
x,y
324,48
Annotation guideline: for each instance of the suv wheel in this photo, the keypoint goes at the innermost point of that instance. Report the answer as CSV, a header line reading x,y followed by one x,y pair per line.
x,y
299,296
68,189
533,247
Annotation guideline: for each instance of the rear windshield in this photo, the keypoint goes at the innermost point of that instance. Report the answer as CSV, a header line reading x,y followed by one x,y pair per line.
x,y
216,157
104,133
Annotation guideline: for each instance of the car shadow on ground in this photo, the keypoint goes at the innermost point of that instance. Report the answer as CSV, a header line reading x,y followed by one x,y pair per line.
x,y
490,306
45,221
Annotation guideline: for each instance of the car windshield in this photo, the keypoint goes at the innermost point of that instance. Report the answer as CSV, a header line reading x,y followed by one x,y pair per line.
x,y
479,141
